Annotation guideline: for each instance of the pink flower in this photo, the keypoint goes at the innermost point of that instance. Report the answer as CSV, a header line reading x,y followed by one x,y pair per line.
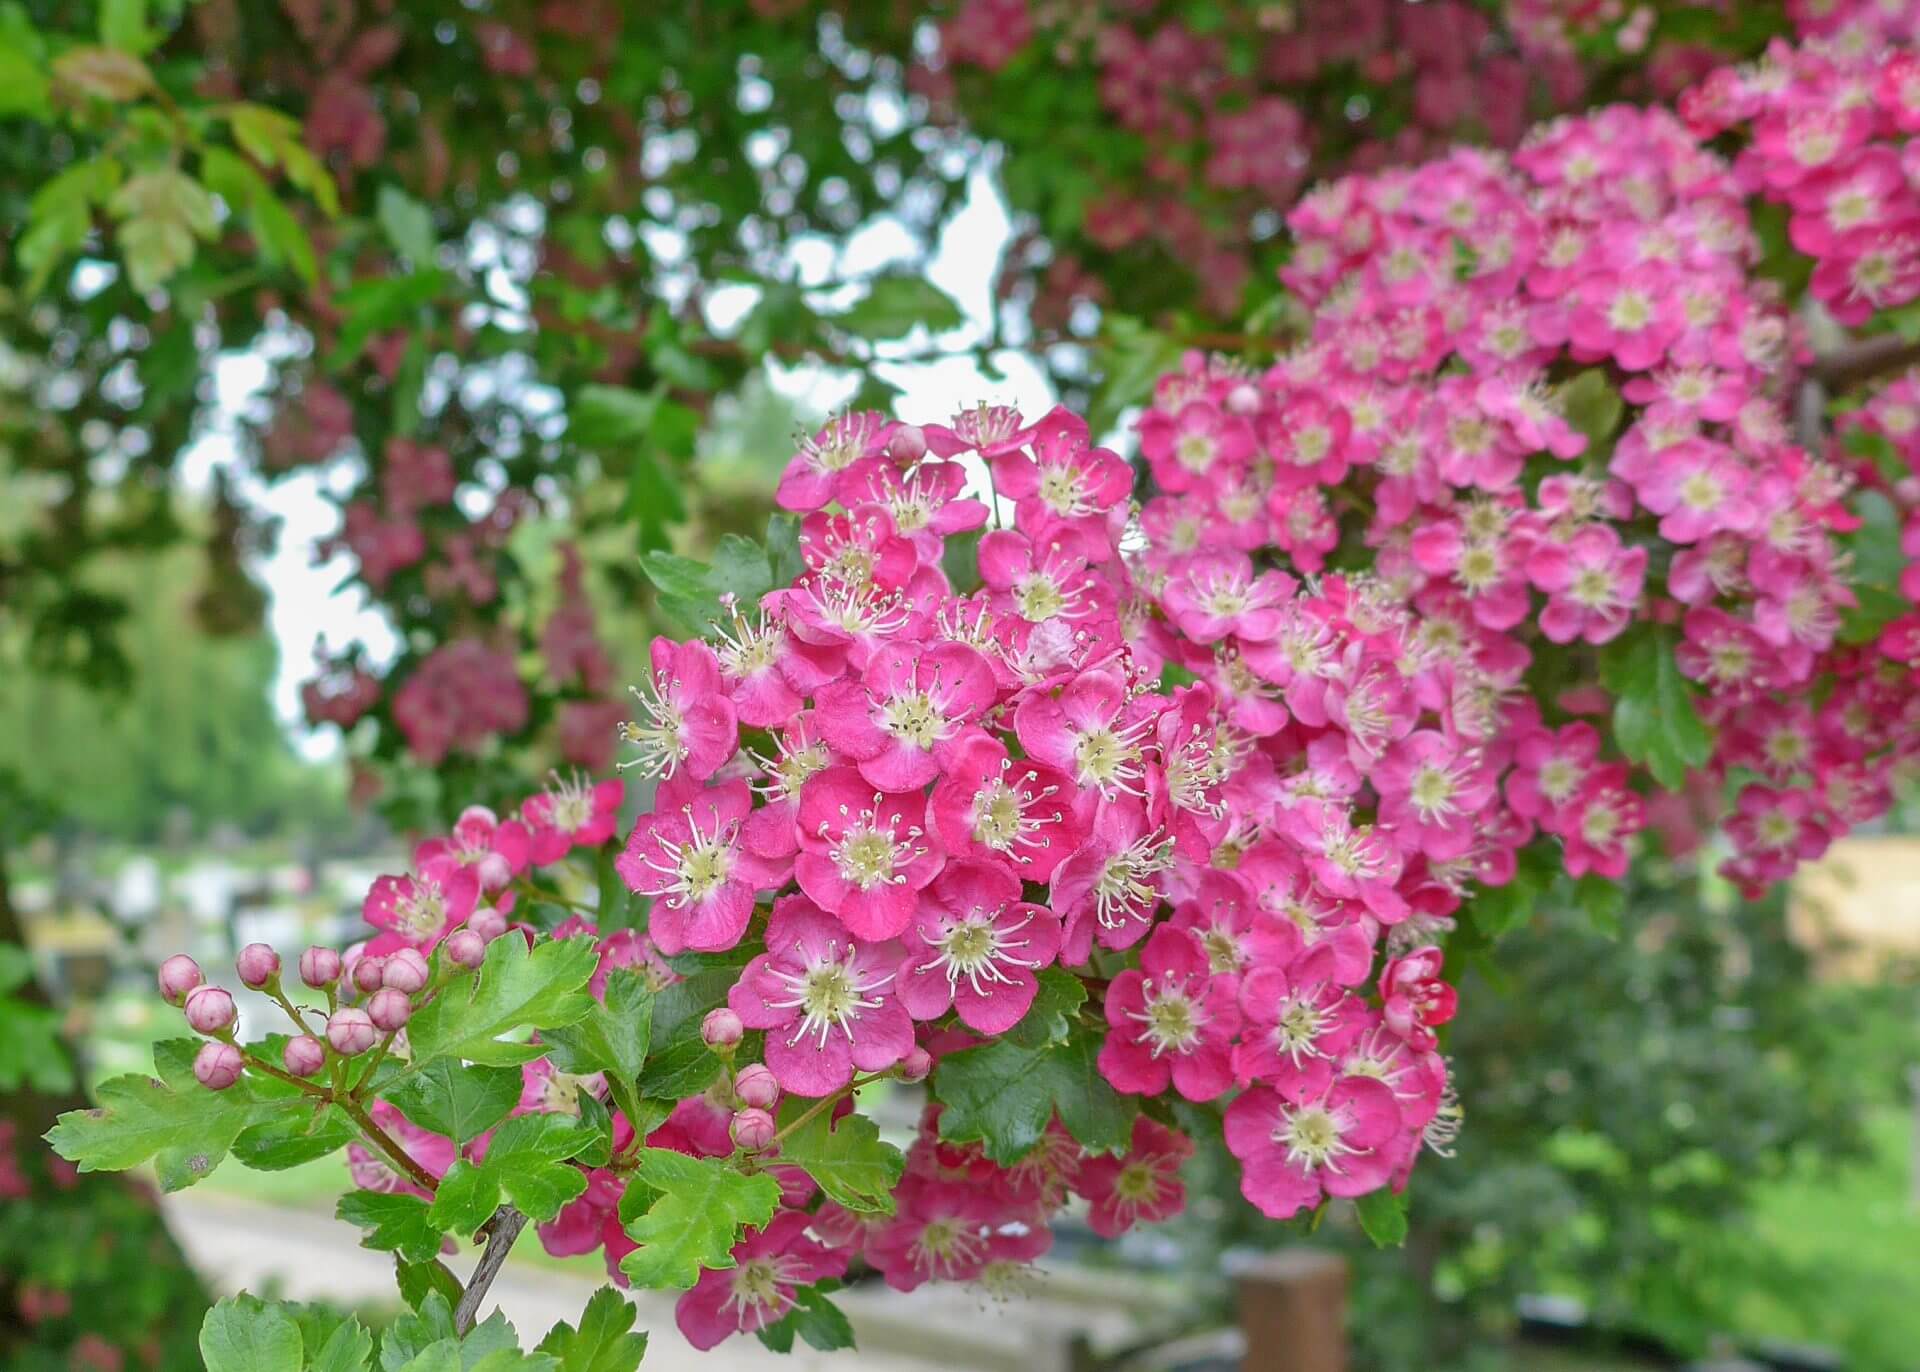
x,y
687,720
1170,1019
1093,731
939,1232
817,470
463,694
1291,1153
421,909
688,855
1348,860
1141,1184
909,711
1299,1020
498,851
758,1289
1592,581
1216,594
1433,793
989,805
571,814
1414,999
982,946
864,854
1185,449
825,1000
1111,884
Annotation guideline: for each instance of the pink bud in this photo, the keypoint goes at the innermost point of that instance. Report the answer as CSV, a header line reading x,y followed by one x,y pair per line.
x,y
465,948
319,967
210,1009
217,1066
479,814
908,444
756,1086
722,1028
369,973
495,872
350,1031
389,1009
1244,399
179,974
405,971
488,922
752,1129
915,1066
257,965
303,1056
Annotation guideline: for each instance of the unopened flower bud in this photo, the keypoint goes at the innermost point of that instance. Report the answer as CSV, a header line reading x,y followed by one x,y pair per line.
x,y
915,1066
210,1009
722,1028
303,1056
405,971
465,948
479,814
257,965
319,967
495,872
1243,399
217,1065
350,1031
756,1086
389,1009
752,1129
908,444
488,922
369,974
179,974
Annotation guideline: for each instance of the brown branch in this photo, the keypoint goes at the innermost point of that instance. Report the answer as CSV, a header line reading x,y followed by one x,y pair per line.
x,y
501,1230
384,1142
1863,359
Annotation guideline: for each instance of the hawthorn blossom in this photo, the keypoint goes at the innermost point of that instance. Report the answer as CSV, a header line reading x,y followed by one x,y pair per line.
x,y
864,854
688,855
1170,1020
975,948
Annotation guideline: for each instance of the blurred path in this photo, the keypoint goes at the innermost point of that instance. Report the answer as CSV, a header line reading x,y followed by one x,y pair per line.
x,y
303,1255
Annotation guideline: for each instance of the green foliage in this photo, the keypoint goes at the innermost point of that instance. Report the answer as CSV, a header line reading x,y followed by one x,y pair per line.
x,y
1654,719
1383,1217
612,1039
1593,407
245,1334
895,305
527,1162
853,1166
1130,357
458,1100
1004,1095
395,1223
513,990
817,1321
184,1129
601,1342
680,1064
31,1053
686,1214
298,1132
1050,1018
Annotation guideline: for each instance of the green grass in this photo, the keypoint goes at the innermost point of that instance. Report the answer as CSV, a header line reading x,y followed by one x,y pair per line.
x,y
1854,1237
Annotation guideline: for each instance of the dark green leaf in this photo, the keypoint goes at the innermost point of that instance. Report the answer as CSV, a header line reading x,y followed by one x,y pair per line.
x,y
459,1101
848,1160
394,1223
515,988
1004,1095
895,304
1383,1215
614,1036
602,1342
1050,1018
698,1207
299,1132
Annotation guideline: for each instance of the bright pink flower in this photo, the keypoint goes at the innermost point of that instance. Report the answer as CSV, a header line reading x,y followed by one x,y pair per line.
x,y
1298,1021
1171,1019
864,855
1292,1153
1110,886
982,946
989,805
1216,594
908,712
758,1289
571,814
939,1232
1413,997
688,855
821,465
826,1001
687,721
1093,731
498,851
425,907
1592,583
1186,450
1141,1184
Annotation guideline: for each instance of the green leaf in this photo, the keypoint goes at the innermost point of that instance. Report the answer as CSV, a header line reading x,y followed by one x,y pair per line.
x,y
31,1052
1004,1095
347,1349
419,1280
1654,719
674,575
394,1223
815,1318
1050,1018
466,1197
1383,1216
1592,406
379,304
299,1132
602,416
515,988
408,225
1603,901
529,1158
602,1342
245,1334
960,560
680,1064
458,1101
740,569
614,1036
163,212
699,1206
410,1335
24,87
274,139
783,549
123,25
174,1121
895,304
1129,357
851,1163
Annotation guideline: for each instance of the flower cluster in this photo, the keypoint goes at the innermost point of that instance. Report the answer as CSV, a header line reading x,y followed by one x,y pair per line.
x,y
1540,421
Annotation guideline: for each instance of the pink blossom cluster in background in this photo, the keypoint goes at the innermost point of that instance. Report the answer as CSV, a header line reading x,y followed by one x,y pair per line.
x,y
1415,453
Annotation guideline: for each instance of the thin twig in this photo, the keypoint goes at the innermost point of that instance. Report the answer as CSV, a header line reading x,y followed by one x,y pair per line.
x,y
502,1230
1862,360
395,1153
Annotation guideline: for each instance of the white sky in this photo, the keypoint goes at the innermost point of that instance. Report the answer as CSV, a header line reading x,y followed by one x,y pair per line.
x,y
307,600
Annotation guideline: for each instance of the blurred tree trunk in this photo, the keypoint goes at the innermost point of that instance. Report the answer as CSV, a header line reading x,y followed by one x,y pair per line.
x,y
89,1275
